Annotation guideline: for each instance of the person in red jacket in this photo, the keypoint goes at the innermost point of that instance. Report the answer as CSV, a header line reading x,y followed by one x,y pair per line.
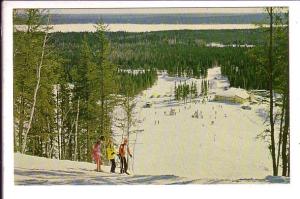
x,y
123,150
96,153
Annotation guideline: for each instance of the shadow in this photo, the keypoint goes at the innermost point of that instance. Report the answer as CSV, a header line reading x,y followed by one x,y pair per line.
x,y
183,182
35,172
87,177
32,182
278,179
201,181
59,177
262,113
226,102
169,78
153,179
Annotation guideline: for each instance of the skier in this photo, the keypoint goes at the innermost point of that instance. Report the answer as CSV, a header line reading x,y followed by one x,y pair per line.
x,y
96,153
123,150
110,150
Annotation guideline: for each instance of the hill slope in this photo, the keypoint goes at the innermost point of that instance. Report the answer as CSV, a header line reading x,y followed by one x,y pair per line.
x,y
31,170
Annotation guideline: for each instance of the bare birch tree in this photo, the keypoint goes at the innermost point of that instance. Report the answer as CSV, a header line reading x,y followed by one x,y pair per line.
x,y
38,79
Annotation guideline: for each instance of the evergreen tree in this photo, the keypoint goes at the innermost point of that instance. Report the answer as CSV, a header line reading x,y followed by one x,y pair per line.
x,y
33,82
83,79
104,80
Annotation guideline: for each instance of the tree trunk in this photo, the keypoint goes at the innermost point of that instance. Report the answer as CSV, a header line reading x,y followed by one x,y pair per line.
x,y
102,112
51,147
88,154
285,153
128,126
57,122
271,93
69,146
76,131
60,123
15,141
288,167
38,73
62,139
21,123
280,133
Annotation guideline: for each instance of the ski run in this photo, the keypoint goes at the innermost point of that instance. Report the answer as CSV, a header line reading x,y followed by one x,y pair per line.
x,y
195,142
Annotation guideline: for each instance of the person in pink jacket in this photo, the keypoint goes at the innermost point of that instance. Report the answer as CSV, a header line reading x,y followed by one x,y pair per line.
x,y
96,153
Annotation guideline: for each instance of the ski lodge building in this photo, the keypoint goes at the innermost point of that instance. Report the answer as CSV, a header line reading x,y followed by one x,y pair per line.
x,y
235,95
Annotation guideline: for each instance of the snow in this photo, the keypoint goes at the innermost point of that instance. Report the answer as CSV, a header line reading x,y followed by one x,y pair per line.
x,y
219,146
219,45
232,92
143,27
217,82
32,170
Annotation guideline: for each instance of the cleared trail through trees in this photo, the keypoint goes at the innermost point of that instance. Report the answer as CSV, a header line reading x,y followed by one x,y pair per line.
x,y
220,143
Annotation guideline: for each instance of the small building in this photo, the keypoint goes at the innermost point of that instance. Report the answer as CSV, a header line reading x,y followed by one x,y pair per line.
x,y
235,95
147,105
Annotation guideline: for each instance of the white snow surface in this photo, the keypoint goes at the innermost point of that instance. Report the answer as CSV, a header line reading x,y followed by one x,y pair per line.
x,y
219,45
32,170
219,146
144,27
231,92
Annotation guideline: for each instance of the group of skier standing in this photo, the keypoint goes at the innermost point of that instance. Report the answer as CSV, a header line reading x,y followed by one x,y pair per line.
x,y
111,153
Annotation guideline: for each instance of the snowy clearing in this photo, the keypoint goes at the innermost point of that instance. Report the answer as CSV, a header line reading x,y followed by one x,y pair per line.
x,y
219,144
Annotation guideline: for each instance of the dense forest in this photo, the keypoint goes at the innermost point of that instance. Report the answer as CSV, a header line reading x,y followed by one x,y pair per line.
x,y
181,52
66,85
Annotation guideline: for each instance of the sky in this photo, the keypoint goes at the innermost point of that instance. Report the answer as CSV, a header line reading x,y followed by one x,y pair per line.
x,y
157,11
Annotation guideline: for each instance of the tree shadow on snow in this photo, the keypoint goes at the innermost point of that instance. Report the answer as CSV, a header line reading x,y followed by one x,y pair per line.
x,y
38,172
59,177
87,177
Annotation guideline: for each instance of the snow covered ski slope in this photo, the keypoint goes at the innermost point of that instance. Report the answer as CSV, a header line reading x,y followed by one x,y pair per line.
x,y
173,147
32,170
221,143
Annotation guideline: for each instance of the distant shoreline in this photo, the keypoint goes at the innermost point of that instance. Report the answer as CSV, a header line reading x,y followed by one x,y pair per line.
x,y
146,27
